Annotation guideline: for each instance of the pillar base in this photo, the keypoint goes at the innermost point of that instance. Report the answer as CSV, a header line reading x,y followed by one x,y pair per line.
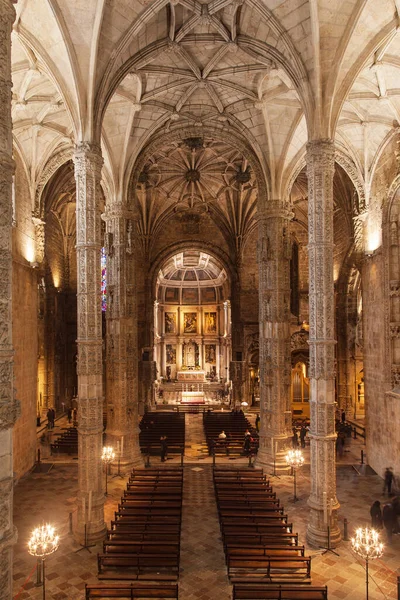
x,y
271,455
126,465
317,529
95,532
273,465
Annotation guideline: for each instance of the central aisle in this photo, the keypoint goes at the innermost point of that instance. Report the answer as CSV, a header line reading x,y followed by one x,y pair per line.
x,y
203,572
195,440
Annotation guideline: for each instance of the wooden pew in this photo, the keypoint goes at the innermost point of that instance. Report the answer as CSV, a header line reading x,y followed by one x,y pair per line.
x,y
131,591
261,591
253,539
275,568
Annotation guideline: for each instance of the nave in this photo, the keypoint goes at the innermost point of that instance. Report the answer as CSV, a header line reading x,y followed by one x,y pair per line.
x,y
203,575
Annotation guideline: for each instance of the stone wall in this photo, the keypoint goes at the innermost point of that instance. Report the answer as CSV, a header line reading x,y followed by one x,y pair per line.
x,y
25,340
382,414
25,365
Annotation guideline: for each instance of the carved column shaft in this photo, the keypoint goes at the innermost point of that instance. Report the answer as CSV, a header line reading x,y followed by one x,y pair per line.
x,y
274,253
122,351
88,163
9,407
320,171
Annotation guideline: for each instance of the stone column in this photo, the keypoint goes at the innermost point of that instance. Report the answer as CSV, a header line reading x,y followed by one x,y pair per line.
x,y
320,171
274,253
122,336
88,163
9,407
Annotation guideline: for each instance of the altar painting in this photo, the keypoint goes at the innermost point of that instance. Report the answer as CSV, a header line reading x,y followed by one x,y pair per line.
x,y
210,322
210,351
170,322
190,322
170,354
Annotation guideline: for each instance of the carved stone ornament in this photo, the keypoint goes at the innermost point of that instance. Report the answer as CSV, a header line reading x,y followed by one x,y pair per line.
x,y
9,413
299,341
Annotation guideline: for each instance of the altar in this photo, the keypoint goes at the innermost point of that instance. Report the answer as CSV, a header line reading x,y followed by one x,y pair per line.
x,y
190,376
192,397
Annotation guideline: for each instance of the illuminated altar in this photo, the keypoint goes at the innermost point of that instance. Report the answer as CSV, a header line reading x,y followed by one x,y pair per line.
x,y
189,376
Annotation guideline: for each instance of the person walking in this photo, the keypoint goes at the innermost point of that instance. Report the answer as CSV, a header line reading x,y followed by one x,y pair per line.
x,y
49,416
295,438
258,422
75,417
303,433
69,415
53,417
247,442
164,448
388,480
376,515
388,519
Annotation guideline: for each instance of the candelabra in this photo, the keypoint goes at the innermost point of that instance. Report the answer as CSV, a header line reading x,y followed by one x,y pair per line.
x,y
294,459
367,545
43,542
107,457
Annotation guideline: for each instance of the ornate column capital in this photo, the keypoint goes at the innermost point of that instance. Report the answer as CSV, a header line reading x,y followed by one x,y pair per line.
x,y
118,210
322,151
87,155
275,208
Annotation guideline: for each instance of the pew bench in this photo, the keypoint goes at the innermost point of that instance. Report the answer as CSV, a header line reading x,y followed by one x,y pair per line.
x,y
261,591
275,568
131,591
123,565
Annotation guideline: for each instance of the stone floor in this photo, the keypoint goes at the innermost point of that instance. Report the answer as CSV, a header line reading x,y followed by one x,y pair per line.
x,y
50,497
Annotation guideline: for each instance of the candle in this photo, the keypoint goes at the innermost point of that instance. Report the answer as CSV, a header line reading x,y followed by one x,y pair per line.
x,y
84,509
122,445
90,507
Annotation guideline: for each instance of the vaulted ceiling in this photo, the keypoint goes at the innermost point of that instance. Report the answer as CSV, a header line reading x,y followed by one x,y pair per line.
x,y
273,73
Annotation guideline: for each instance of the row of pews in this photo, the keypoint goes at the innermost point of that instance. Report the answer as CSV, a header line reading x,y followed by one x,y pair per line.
x,y
67,442
264,558
154,425
143,543
234,425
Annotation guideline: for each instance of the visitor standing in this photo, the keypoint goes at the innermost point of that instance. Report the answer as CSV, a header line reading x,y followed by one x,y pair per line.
x,y
295,438
303,433
388,481
388,519
376,515
258,422
69,415
49,415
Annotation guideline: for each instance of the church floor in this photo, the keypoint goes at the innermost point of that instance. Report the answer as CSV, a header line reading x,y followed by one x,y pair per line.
x,y
50,497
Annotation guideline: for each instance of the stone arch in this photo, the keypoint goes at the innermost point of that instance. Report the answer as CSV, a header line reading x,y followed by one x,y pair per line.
x,y
262,175
211,249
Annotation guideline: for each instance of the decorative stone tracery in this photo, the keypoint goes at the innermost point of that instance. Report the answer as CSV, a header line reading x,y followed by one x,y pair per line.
x,y
9,407
121,344
88,163
274,253
322,501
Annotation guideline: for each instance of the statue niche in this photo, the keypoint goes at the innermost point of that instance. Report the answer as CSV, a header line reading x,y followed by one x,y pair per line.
x,y
190,355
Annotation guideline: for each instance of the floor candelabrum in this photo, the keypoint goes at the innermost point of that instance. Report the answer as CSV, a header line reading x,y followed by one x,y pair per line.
x,y
42,543
366,544
107,457
295,459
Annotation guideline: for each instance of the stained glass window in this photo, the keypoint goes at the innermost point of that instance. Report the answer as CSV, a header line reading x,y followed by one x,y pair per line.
x,y
103,279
